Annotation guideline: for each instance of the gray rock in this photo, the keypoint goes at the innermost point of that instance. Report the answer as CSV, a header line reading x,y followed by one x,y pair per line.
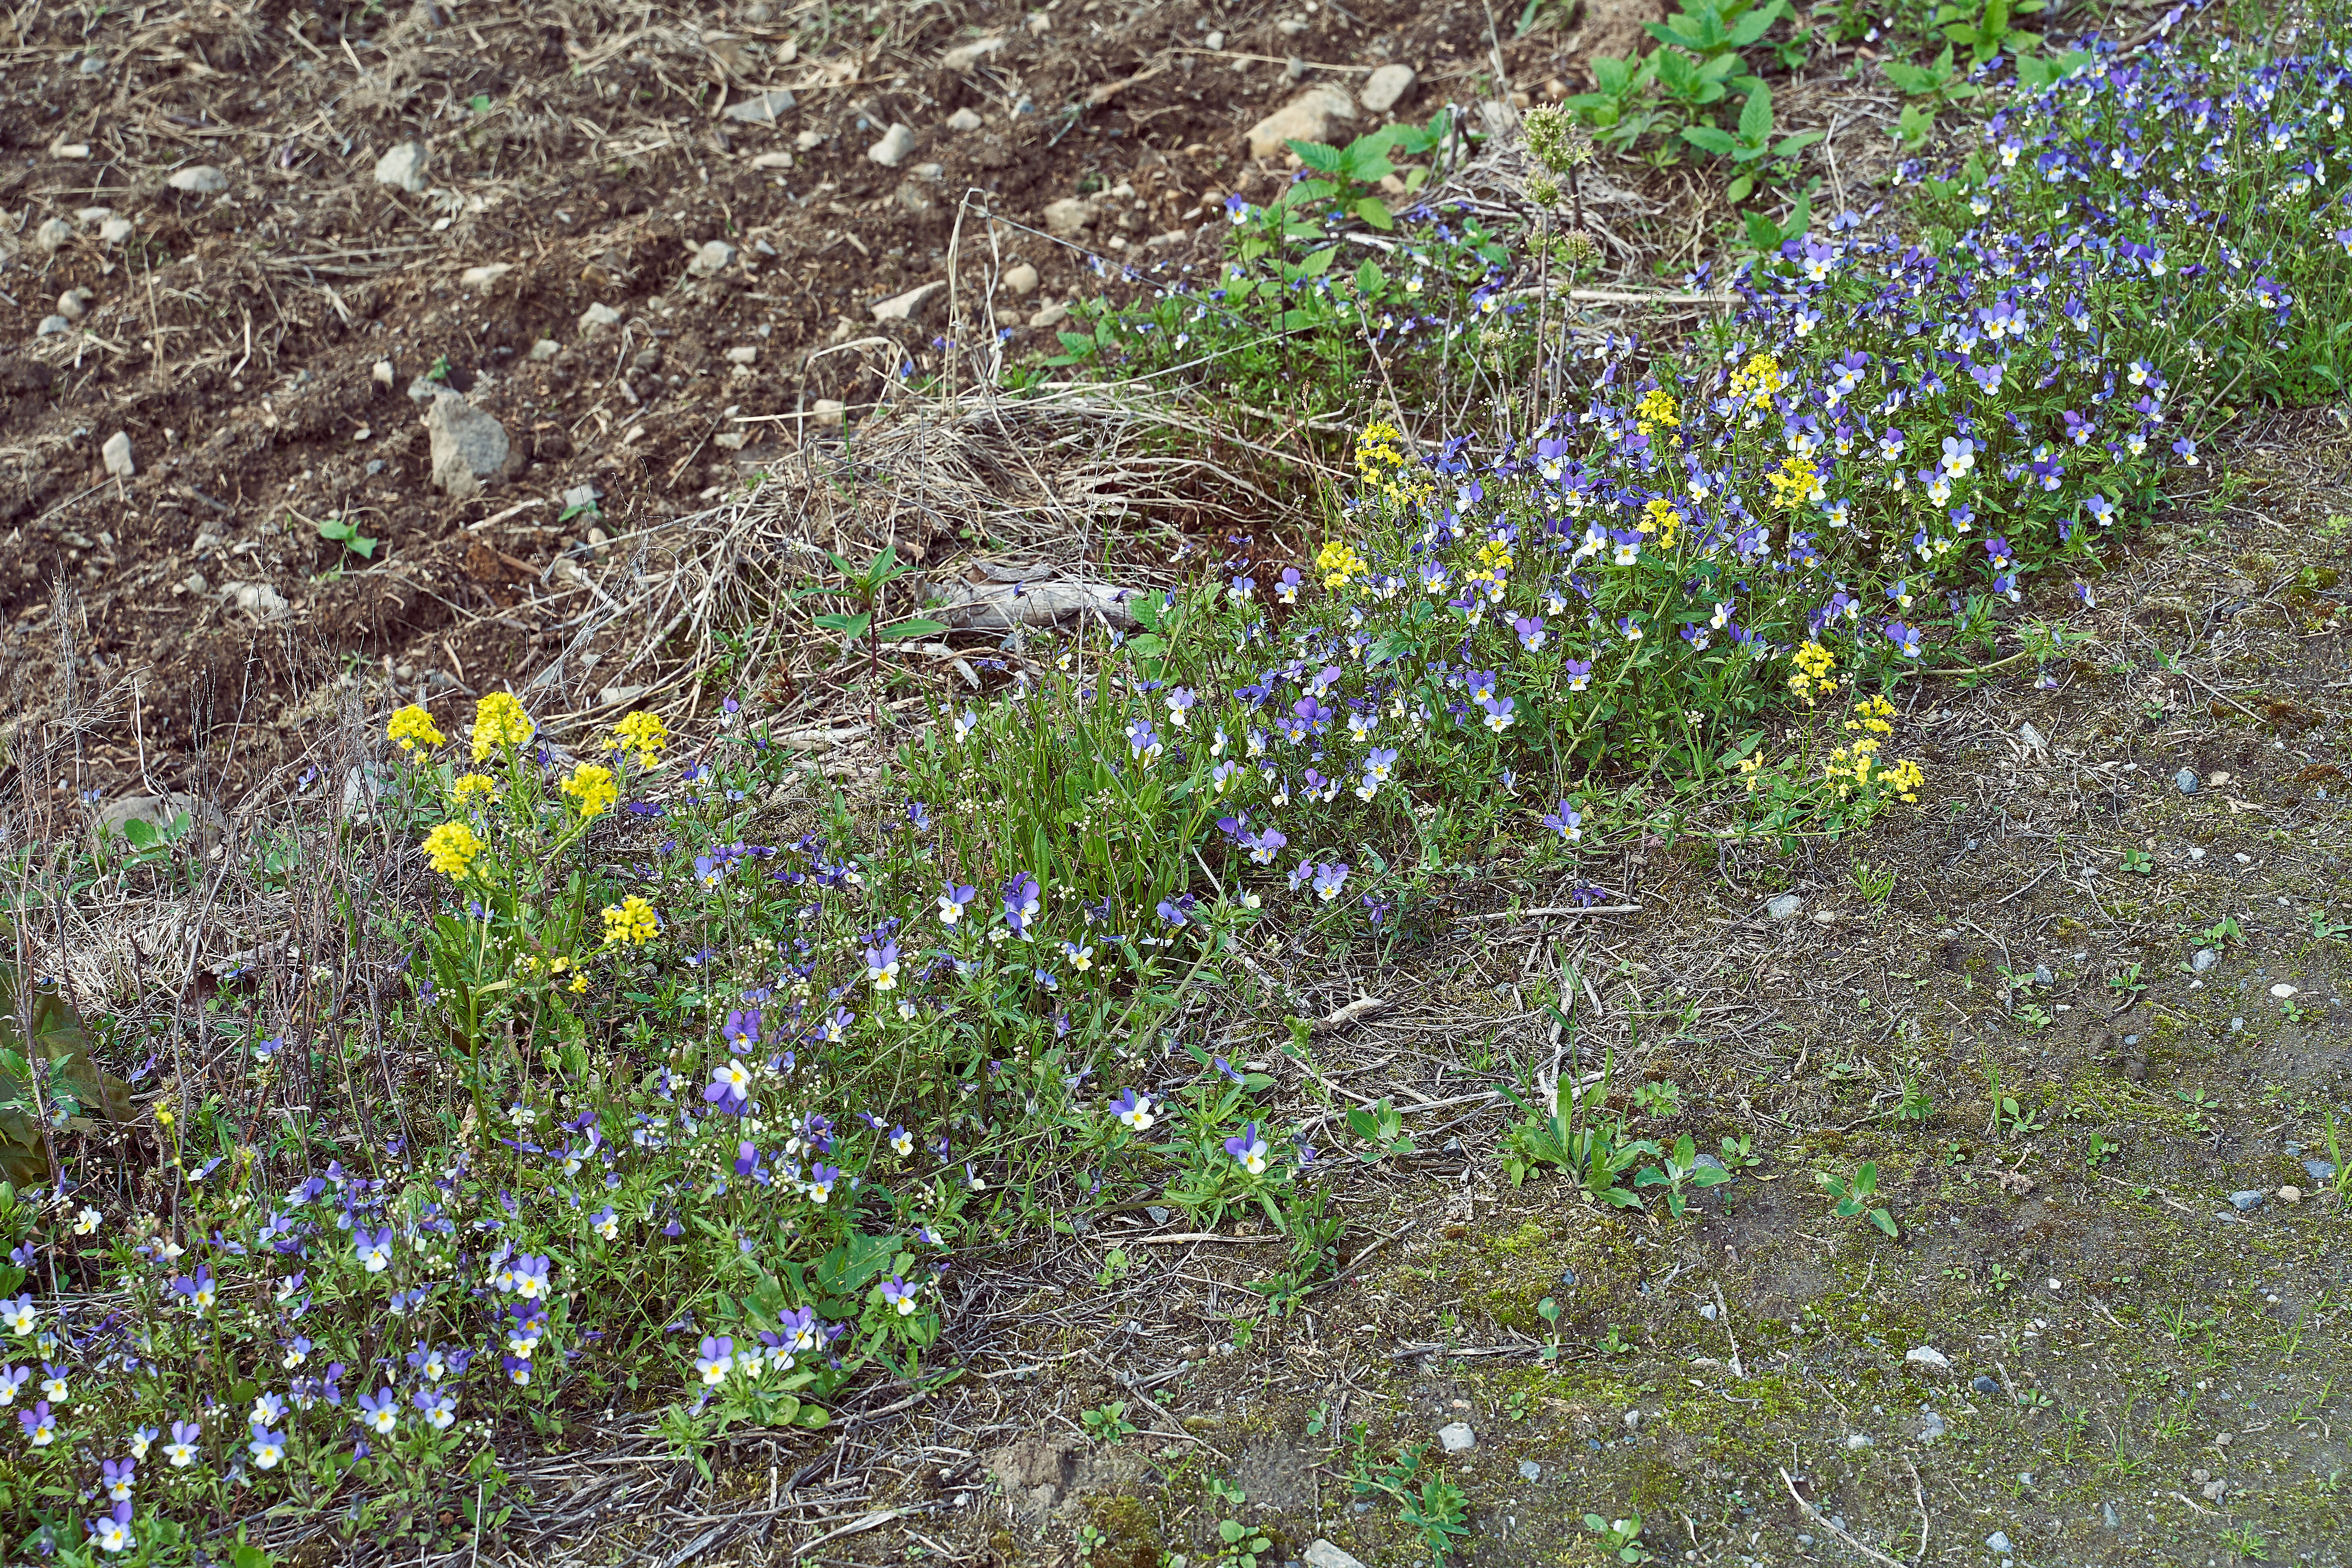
x,y
892,150
762,109
1929,1355
92,64
580,496
469,447
1931,1426
51,326
198,180
403,166
424,389
908,306
715,257
1070,216
1386,87
1321,1553
1456,1437
2108,1517
1306,118
1785,906
1049,316
1021,280
1529,1470
2041,976
74,303
544,350
1709,1162
482,280
1980,1384
116,455
965,120
159,812
2320,1170
2185,781
599,315
115,230
1859,1440
2248,1201
2204,959
256,599
53,234
1999,1542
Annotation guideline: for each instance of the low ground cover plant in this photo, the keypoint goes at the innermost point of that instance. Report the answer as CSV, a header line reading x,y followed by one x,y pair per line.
x,y
712,1070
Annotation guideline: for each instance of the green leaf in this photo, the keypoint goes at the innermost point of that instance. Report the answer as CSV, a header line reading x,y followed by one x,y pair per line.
x,y
1756,118
852,626
1375,211
1316,155
1735,193
1709,139
1319,263
1370,282
914,628
1077,342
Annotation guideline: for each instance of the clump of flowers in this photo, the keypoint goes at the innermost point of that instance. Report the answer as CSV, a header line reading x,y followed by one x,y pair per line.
x,y
591,789
644,734
499,722
631,922
451,850
413,729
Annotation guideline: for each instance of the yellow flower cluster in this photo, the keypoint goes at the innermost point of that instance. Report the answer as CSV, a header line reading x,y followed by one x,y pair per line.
x,y
1814,663
1795,482
591,789
1657,410
556,968
631,922
1756,380
1493,569
1340,564
1660,518
1380,452
413,727
1874,714
465,786
451,850
644,734
1849,768
499,720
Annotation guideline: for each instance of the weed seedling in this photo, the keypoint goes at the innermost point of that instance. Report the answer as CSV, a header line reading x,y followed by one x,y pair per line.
x,y
1619,1539
1854,1194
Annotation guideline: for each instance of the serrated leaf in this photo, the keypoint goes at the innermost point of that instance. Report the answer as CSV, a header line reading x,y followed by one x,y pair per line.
x,y
1321,158
1710,139
1375,211
1756,116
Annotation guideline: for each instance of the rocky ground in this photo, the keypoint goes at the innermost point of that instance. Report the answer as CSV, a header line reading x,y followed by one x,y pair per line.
x,y
249,253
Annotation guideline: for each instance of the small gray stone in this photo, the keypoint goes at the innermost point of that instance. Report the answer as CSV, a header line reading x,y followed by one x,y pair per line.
x,y
424,389
2185,781
715,257
1529,1470
198,180
1999,1543
1159,1214
580,496
1785,906
2041,976
964,120
1931,1426
51,326
2204,959
115,231
963,57
92,64
1929,1355
1456,1437
1859,1440
2248,1201
159,812
1321,1553
1386,87
116,454
1709,1162
1980,1384
403,166
469,447
1069,217
2320,1170
599,315
892,150
53,234
1306,118
544,350
1021,280
762,109
2108,1517
908,306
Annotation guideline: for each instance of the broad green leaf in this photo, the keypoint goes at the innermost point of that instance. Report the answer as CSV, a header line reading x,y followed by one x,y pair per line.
x,y
1756,118
914,628
1319,263
1370,280
1708,139
1318,156
854,625
1375,211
